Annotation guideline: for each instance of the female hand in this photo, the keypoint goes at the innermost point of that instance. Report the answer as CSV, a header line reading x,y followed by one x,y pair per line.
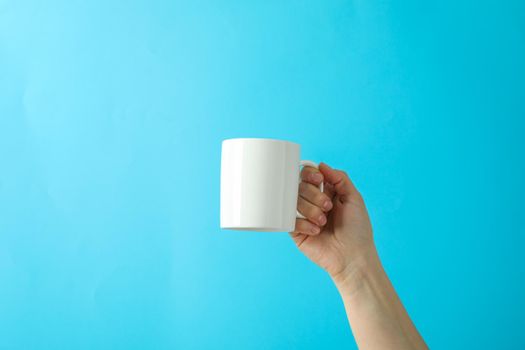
x,y
336,233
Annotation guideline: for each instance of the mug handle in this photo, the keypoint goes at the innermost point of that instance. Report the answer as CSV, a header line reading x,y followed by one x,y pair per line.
x,y
304,163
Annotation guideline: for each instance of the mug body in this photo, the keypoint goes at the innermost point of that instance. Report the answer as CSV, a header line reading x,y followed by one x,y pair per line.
x,y
259,184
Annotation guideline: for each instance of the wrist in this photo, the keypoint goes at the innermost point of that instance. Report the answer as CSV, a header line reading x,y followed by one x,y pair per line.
x,y
362,266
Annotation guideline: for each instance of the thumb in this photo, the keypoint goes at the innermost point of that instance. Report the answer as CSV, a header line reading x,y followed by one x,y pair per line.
x,y
342,184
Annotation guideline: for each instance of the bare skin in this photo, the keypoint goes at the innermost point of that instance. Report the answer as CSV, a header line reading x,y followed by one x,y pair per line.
x,y
337,236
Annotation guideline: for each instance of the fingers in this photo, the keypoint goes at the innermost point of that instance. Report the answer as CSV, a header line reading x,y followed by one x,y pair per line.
x,y
312,175
340,181
315,177
311,212
306,227
313,195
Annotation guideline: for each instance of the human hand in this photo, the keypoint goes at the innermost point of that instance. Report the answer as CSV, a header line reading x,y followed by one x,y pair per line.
x,y
336,234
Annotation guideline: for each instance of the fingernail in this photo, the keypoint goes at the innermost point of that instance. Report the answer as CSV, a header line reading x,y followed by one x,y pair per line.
x,y
322,220
327,205
315,229
316,177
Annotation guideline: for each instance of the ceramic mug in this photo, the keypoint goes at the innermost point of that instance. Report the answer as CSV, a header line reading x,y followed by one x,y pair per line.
x,y
259,184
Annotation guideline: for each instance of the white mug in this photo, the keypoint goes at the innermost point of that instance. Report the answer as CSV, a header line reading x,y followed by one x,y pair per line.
x,y
259,184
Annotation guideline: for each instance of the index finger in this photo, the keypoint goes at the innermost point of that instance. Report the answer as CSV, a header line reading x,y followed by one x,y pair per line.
x,y
312,175
339,179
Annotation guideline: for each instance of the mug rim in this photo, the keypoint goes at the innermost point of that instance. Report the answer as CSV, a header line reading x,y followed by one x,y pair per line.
x,y
259,139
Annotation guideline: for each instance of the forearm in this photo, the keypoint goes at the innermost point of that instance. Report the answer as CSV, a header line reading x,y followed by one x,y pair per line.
x,y
375,313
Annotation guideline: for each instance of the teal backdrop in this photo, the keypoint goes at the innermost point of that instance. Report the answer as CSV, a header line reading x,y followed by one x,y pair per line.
x,y
112,115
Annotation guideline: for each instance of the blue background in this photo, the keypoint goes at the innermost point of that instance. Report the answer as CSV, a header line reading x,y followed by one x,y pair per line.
x,y
111,118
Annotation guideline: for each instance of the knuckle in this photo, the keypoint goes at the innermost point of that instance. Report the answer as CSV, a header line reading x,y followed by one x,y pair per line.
x,y
306,171
320,198
314,212
303,172
302,226
302,187
303,206
306,189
